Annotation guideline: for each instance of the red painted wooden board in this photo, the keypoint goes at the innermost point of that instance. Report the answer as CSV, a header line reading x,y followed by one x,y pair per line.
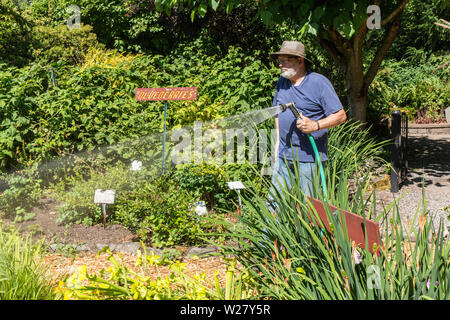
x,y
165,94
355,225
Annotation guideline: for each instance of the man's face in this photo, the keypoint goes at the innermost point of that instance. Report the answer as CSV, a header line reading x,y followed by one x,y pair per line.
x,y
290,65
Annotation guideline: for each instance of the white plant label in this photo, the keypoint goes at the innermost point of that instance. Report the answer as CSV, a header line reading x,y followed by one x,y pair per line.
x,y
136,165
104,196
235,185
200,208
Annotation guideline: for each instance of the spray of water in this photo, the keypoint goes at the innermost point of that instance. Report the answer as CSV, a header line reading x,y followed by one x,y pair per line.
x,y
246,120
148,149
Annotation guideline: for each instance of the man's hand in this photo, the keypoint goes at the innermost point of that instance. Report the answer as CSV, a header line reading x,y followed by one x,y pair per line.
x,y
306,125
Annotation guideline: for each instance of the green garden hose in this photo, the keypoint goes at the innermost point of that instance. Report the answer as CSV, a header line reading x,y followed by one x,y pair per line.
x,y
294,110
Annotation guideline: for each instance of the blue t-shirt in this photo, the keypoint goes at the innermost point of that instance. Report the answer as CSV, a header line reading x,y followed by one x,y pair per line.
x,y
316,98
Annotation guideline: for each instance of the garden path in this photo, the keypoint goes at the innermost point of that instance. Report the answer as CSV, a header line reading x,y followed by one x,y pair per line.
x,y
428,160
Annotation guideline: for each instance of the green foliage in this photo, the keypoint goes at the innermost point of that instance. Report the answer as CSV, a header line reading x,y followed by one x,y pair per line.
x,y
19,87
28,35
353,150
94,105
61,44
292,256
155,208
121,283
415,84
15,34
77,194
160,213
22,272
418,29
132,26
345,16
207,182
21,191
22,215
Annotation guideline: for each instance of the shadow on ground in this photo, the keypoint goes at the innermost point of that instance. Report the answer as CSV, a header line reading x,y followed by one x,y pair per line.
x,y
428,159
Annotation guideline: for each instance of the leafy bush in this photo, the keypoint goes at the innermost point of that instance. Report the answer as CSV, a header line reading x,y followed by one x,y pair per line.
x,y
59,43
22,272
20,192
18,110
15,35
77,194
415,85
160,213
155,208
93,104
207,182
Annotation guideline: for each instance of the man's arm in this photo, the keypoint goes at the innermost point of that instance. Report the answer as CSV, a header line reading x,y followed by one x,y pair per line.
x,y
306,125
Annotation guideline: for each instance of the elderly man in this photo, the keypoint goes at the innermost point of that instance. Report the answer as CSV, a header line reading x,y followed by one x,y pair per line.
x,y
319,107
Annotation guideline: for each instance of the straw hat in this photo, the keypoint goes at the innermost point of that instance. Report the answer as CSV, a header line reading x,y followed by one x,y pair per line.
x,y
293,48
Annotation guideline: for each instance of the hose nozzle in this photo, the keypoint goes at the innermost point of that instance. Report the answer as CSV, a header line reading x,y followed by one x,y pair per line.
x,y
291,106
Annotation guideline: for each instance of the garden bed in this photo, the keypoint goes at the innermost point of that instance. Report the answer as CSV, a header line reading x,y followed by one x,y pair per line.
x,y
44,225
70,247
60,265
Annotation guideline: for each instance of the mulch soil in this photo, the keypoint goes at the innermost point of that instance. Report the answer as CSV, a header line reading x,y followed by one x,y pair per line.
x,y
61,265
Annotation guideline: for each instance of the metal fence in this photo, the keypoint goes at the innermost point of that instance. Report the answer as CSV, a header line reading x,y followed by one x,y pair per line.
x,y
399,157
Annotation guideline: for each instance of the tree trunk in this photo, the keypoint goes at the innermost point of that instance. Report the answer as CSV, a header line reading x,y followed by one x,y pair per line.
x,y
354,82
347,53
358,105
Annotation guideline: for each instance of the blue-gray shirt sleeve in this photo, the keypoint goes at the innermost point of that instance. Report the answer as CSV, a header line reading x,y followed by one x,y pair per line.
x,y
329,99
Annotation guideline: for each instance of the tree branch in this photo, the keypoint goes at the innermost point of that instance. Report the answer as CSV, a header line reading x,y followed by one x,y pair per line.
x,y
395,13
358,38
331,49
338,40
389,38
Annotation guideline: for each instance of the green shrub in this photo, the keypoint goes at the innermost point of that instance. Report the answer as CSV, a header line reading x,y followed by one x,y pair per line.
x,y
22,273
160,213
59,43
416,85
22,191
76,193
207,182
19,112
94,104
15,35
155,208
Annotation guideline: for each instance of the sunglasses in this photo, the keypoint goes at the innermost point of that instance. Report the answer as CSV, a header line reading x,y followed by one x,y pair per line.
x,y
285,61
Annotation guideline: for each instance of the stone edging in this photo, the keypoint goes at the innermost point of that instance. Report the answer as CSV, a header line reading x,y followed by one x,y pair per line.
x,y
422,128
429,129
133,247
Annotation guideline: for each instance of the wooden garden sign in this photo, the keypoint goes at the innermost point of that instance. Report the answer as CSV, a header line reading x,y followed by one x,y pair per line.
x,y
165,94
